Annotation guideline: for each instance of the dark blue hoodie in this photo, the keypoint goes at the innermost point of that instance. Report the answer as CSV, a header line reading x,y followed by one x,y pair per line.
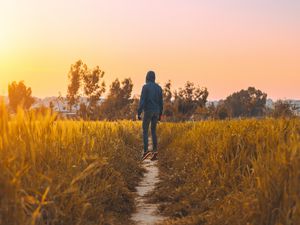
x,y
152,97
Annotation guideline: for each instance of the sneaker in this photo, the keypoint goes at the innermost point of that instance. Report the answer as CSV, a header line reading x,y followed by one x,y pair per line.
x,y
146,155
154,156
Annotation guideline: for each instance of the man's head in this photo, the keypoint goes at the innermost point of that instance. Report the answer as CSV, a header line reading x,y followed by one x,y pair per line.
x,y
150,77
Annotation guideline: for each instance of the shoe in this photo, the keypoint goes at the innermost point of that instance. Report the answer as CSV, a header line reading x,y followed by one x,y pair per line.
x,y
154,156
146,155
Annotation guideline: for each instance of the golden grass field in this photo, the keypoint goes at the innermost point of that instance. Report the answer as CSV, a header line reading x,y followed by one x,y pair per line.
x,y
67,173
230,172
84,173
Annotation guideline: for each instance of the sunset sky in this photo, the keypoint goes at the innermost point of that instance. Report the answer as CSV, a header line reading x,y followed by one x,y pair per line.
x,y
224,45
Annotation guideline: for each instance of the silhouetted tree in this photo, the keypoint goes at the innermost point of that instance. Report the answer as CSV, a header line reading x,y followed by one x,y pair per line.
x,y
118,102
59,102
19,96
204,113
188,99
221,111
167,92
75,75
283,109
246,103
134,107
168,104
83,111
93,88
51,106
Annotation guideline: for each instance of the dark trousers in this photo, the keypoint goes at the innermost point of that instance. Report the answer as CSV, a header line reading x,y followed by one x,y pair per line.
x,y
150,117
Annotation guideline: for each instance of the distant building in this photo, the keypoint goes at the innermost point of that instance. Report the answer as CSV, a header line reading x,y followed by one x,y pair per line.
x,y
60,105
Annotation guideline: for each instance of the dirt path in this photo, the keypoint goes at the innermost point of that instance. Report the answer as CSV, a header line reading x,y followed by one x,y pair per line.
x,y
147,213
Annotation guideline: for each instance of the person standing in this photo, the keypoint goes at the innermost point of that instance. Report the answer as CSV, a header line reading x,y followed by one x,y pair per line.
x,y
151,103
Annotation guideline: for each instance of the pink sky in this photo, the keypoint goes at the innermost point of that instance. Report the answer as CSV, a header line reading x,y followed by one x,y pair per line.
x,y
225,45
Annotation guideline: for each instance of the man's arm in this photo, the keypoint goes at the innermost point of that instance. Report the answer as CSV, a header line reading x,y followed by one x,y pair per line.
x,y
142,101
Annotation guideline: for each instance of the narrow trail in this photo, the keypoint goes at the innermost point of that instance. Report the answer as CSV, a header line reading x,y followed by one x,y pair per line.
x,y
147,213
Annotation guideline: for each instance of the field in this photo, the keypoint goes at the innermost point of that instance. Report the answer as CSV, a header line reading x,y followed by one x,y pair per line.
x,y
67,173
85,173
230,172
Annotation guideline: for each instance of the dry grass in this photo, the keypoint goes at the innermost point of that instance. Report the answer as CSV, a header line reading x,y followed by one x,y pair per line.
x,y
83,173
232,172
65,172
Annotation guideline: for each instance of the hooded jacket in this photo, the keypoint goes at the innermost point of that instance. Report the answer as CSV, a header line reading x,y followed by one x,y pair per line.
x,y
152,97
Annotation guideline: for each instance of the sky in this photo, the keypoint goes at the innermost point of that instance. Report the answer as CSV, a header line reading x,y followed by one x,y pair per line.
x,y
224,45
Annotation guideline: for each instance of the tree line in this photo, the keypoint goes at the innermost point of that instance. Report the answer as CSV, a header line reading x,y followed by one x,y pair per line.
x,y
89,83
190,103
186,103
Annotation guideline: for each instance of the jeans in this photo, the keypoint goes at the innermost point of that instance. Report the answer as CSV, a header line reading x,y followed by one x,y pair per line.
x,y
150,117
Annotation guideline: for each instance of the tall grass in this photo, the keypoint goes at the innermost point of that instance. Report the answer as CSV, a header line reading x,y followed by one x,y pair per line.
x,y
83,173
66,172
232,172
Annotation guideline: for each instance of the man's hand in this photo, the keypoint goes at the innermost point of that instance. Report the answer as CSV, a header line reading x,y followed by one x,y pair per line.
x,y
139,117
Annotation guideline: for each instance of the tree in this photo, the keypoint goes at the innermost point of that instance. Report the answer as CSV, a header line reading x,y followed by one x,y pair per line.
x,y
75,75
117,105
283,109
221,111
204,113
168,104
167,93
93,88
134,107
51,106
188,99
83,111
59,101
246,103
19,96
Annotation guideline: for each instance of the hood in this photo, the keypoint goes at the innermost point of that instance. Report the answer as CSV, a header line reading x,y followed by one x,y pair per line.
x,y
150,77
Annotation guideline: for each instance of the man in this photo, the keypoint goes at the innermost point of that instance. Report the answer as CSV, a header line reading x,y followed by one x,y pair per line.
x,y
151,103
